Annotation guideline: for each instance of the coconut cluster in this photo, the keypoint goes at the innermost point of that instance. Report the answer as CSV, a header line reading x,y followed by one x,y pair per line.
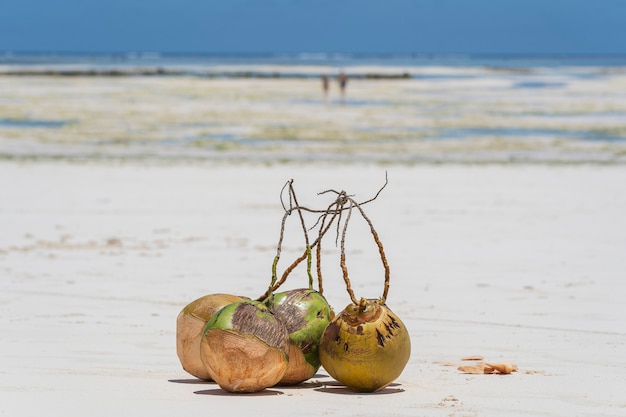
x,y
283,338
246,346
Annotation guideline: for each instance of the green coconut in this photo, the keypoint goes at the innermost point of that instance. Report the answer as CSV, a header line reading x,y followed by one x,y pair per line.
x,y
305,313
244,347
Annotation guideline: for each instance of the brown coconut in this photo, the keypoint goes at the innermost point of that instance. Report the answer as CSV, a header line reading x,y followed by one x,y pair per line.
x,y
298,369
244,347
189,326
242,363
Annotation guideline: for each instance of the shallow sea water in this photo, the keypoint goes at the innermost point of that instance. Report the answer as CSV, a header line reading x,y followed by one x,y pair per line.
x,y
273,109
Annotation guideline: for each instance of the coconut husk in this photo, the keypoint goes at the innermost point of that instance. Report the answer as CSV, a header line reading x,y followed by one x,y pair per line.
x,y
241,362
189,326
298,369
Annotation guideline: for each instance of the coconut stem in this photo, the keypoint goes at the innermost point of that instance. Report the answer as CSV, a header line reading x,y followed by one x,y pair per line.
x,y
335,210
318,261
274,282
297,262
341,201
322,232
277,257
308,266
304,231
381,251
342,261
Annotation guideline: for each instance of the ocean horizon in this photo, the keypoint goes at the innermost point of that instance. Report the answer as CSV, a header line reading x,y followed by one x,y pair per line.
x,y
170,60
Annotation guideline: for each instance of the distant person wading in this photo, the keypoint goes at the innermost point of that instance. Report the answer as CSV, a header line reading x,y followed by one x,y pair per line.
x,y
343,80
325,86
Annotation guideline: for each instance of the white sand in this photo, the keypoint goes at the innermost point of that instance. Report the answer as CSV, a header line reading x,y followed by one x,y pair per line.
x,y
516,263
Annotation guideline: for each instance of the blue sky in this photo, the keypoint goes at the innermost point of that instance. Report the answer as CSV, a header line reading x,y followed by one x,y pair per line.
x,y
353,26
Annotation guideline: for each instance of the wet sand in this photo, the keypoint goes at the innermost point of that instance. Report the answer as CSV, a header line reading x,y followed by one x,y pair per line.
x,y
461,115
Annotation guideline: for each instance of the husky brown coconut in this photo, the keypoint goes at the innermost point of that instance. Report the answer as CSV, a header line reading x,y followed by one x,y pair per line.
x,y
244,347
189,326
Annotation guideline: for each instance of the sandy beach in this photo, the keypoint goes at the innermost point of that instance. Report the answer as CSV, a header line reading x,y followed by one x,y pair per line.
x,y
514,262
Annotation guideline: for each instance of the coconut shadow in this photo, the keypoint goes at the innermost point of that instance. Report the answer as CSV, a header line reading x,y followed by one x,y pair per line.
x,y
221,392
338,388
190,381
